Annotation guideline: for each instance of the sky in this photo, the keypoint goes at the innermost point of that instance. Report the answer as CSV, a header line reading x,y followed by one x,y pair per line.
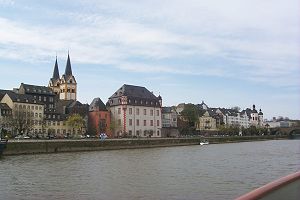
x,y
225,53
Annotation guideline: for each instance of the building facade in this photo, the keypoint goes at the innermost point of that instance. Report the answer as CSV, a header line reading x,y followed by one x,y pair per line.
x,y
135,112
207,122
169,117
99,119
27,113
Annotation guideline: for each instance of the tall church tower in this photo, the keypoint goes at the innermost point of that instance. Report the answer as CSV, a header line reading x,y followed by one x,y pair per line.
x,y
68,84
54,82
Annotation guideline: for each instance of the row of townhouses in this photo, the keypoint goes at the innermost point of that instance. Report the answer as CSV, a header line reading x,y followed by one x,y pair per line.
x,y
131,111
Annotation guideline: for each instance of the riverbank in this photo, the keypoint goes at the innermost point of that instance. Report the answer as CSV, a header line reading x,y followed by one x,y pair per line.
x,y
19,147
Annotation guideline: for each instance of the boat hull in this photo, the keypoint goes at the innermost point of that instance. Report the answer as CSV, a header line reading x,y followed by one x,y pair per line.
x,y
283,188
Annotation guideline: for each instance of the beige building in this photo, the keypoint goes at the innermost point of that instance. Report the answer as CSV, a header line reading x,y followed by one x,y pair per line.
x,y
27,113
206,122
135,112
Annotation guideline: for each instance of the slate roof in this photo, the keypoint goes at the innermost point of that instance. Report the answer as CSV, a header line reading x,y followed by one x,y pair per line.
x,y
202,106
68,71
166,109
36,89
3,92
97,105
4,106
254,110
136,95
23,98
61,105
56,71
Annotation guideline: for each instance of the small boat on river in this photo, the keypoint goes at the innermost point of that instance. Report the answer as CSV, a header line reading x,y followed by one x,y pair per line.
x,y
205,142
287,187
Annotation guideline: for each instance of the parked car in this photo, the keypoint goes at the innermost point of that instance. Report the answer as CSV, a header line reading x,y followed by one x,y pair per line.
x,y
103,136
22,137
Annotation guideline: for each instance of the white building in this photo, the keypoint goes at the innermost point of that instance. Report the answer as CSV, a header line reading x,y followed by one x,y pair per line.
x,y
169,117
135,111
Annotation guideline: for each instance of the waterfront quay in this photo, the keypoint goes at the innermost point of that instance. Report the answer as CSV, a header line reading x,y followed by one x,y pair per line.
x,y
18,147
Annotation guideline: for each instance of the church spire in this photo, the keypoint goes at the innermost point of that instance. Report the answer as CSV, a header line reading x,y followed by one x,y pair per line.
x,y
68,71
55,72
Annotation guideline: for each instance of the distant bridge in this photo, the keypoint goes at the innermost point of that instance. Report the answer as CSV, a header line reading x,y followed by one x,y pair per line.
x,y
286,131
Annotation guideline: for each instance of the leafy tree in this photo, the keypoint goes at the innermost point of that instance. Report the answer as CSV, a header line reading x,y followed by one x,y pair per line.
x,y
190,114
236,108
76,122
114,126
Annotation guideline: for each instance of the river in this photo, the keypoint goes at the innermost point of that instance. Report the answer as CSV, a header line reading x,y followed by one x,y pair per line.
x,y
217,171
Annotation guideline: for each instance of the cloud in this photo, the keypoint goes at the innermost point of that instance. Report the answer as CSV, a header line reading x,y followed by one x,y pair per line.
x,y
189,38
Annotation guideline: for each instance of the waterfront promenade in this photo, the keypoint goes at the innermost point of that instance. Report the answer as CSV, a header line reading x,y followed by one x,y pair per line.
x,y
16,147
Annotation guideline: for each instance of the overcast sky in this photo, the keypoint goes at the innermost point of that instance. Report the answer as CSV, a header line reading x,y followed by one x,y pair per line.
x,y
226,53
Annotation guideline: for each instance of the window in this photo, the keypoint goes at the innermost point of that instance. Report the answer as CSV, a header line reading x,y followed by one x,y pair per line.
x,y
45,98
151,122
157,123
137,111
137,122
130,111
145,123
130,122
151,112
145,112
119,111
157,133
157,113
119,122
40,115
130,133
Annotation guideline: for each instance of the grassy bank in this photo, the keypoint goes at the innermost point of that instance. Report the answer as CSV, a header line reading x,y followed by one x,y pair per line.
x,y
56,146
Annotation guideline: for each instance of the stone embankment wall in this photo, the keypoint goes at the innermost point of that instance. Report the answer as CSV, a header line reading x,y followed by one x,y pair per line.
x,y
15,147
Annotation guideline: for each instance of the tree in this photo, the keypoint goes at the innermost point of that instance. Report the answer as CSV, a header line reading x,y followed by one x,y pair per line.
x,y
236,108
21,120
76,122
190,114
114,126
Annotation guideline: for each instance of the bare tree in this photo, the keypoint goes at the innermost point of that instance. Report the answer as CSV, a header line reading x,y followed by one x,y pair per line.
x,y
22,121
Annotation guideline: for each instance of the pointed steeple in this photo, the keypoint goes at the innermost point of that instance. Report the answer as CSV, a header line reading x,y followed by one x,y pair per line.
x,y
55,72
68,71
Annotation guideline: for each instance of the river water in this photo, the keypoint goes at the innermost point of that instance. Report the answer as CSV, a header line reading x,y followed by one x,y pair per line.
x,y
217,171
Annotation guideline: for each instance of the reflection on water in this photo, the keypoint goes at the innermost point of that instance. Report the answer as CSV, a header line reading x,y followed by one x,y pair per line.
x,y
221,171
